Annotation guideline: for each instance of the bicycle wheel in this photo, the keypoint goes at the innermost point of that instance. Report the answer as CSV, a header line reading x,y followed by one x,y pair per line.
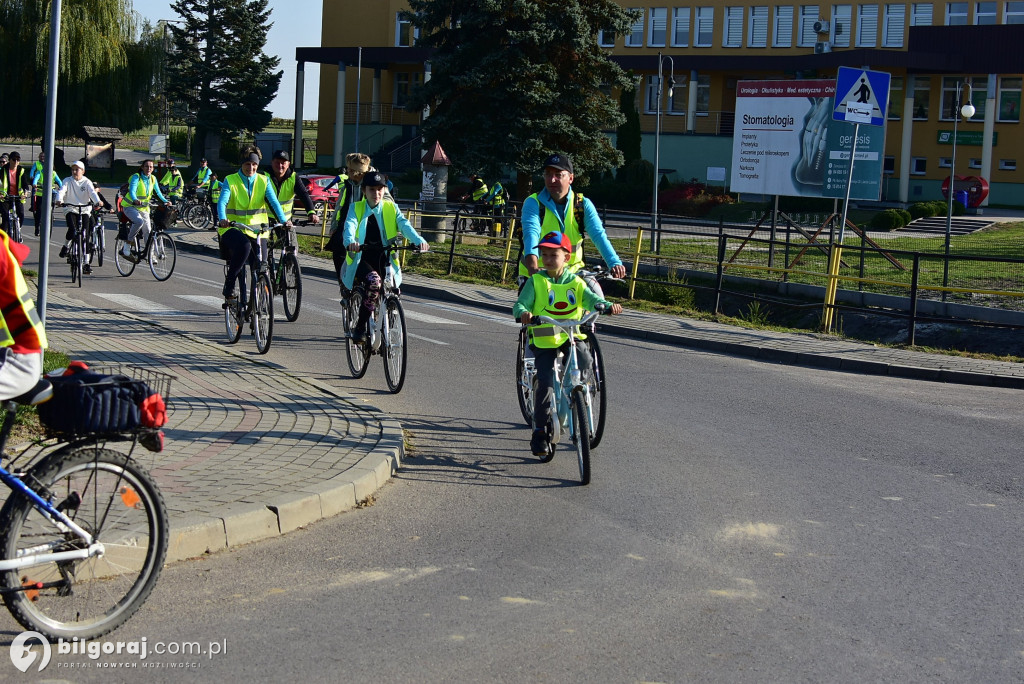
x,y
202,217
358,354
263,314
580,434
394,351
98,244
125,265
598,392
79,248
233,318
291,286
163,255
116,501
524,377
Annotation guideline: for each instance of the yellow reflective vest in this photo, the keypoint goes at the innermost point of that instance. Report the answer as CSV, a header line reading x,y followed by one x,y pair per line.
x,y
248,210
560,301
20,316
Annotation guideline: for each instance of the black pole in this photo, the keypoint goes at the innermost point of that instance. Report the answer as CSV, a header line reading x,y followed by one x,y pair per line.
x,y
913,298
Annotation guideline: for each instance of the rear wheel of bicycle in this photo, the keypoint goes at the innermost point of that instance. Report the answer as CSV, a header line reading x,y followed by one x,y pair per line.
x,y
125,265
291,286
233,319
358,353
263,314
394,351
524,378
201,217
79,245
97,245
117,502
163,255
580,434
598,392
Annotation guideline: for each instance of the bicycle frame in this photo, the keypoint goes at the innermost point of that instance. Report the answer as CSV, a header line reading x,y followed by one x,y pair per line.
x,y
568,377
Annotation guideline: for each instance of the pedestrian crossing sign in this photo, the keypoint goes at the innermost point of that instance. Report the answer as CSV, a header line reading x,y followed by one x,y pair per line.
x,y
861,96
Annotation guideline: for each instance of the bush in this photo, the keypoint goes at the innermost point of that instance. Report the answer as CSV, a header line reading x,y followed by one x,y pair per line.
x,y
921,210
890,219
958,208
938,207
907,218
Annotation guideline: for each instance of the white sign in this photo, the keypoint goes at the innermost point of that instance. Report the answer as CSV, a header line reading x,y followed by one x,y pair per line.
x,y
158,144
858,113
716,173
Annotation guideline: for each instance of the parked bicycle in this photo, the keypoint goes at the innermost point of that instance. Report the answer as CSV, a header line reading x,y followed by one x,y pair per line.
x,y
253,304
84,532
196,211
525,369
285,274
386,333
159,250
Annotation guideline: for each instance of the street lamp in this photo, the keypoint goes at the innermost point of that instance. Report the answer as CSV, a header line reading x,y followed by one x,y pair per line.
x,y
967,111
655,236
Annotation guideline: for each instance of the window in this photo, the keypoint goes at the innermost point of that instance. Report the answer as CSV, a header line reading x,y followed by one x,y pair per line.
x,y
974,163
1007,164
841,25
945,162
956,14
651,95
921,14
918,166
405,33
606,38
892,31
635,38
782,35
656,30
949,107
1009,99
704,25
889,165
703,94
680,27
732,29
922,91
867,25
896,98
808,36
985,13
677,100
1014,13
757,33
979,95
404,83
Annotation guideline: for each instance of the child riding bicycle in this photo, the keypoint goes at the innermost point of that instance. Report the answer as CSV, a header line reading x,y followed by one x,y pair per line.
x,y
557,293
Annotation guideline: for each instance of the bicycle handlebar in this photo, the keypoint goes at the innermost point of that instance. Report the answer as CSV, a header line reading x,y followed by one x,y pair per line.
x,y
568,324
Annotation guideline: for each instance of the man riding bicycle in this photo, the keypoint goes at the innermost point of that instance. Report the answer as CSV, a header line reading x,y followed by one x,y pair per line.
x,y
14,183
288,187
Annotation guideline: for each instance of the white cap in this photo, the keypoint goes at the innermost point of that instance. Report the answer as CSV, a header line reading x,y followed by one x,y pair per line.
x,y
79,164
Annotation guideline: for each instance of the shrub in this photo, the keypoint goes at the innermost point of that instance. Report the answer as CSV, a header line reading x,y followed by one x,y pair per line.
x,y
890,219
958,208
907,218
921,210
938,207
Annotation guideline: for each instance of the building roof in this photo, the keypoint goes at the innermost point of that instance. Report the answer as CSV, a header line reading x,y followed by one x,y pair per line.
x,y
100,134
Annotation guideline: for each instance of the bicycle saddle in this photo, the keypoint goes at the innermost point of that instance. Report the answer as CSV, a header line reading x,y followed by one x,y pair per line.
x,y
42,391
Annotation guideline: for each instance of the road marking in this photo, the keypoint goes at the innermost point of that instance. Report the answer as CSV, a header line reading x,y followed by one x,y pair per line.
x,y
427,318
134,303
427,339
490,317
205,300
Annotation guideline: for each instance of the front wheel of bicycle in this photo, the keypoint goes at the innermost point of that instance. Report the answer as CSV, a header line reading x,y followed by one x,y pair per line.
x,y
263,314
524,377
598,392
163,255
395,353
114,500
358,353
580,434
233,319
291,286
125,265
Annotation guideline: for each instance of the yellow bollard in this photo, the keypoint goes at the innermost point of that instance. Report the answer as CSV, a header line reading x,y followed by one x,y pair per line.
x,y
636,261
831,287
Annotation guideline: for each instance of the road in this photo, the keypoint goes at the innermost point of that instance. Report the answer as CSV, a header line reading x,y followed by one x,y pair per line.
x,y
747,522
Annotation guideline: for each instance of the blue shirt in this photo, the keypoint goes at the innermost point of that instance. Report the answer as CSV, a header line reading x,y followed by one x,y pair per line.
x,y
134,186
591,224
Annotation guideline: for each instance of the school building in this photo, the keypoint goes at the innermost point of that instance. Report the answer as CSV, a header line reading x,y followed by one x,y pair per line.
x,y
370,63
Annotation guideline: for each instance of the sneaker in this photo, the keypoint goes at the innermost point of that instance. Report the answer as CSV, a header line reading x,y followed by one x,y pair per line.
x,y
126,250
63,251
539,443
229,300
87,269
360,336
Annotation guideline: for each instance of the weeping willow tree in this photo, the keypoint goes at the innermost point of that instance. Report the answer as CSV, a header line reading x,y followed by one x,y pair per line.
x,y
107,70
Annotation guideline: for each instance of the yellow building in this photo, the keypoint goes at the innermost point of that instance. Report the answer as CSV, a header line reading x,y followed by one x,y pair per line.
x,y
928,48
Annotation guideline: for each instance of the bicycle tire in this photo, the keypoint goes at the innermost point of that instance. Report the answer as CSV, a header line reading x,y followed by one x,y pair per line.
x,y
125,266
358,355
291,286
162,254
263,313
580,434
72,262
598,390
234,321
395,352
202,217
98,247
79,246
524,379
121,506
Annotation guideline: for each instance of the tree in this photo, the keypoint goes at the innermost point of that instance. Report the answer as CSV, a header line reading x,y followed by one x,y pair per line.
x,y
514,80
219,70
105,76
628,136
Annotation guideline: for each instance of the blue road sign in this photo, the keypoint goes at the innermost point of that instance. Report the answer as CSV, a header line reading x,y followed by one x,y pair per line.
x,y
861,96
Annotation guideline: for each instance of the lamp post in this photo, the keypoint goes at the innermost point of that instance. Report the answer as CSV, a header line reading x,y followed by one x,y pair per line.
x,y
655,233
967,111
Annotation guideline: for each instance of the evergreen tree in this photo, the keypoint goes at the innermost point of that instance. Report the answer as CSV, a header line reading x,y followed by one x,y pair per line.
x,y
628,137
219,70
515,80
105,76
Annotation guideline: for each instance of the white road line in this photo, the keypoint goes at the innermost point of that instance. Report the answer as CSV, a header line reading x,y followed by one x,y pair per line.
x,y
134,303
427,339
205,300
427,318
466,312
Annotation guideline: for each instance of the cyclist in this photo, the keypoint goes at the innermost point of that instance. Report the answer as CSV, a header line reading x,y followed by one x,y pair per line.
x,y
288,188
477,191
36,181
558,208
13,182
174,182
77,189
136,200
22,338
556,292
372,223
203,175
496,198
357,165
245,198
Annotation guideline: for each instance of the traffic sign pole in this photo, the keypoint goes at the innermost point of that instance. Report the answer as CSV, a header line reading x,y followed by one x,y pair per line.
x,y
837,249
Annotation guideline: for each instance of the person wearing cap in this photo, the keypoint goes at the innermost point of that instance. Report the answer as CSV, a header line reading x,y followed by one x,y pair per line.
x,y
77,189
288,188
136,201
36,181
173,181
246,199
202,177
214,189
14,183
357,165
372,223
556,292
559,208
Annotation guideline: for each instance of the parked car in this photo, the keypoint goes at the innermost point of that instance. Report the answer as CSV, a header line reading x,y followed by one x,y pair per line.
x,y
315,184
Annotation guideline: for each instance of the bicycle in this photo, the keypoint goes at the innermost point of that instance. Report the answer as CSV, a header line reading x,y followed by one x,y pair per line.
x,y
15,225
525,369
159,250
385,329
96,242
76,254
472,218
196,211
85,529
285,274
254,305
573,410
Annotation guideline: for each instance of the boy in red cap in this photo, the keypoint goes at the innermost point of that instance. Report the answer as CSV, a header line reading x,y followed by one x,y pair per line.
x,y
557,293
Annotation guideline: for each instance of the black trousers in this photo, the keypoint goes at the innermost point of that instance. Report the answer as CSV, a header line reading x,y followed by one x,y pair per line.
x,y
544,360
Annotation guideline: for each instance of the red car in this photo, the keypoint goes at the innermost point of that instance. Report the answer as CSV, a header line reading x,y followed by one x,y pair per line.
x,y
315,185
